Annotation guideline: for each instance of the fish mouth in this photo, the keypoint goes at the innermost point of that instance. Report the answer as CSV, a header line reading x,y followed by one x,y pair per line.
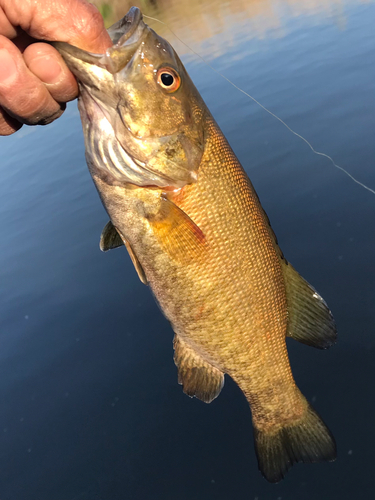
x,y
125,35
98,75
126,27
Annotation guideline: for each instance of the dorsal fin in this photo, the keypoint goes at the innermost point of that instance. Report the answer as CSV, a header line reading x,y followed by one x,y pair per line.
x,y
197,377
309,319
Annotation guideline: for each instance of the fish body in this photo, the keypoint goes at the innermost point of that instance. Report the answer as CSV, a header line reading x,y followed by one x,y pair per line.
x,y
181,203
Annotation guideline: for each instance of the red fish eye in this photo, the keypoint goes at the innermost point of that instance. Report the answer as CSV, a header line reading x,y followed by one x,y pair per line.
x,y
168,79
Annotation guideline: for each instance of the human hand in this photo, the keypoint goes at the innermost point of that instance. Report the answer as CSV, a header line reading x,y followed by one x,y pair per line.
x,y
35,83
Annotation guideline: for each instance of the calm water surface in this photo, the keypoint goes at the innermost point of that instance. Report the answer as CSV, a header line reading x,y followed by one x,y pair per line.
x,y
90,406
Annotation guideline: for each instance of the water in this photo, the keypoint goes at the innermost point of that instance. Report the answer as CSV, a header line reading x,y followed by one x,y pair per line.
x,y
90,406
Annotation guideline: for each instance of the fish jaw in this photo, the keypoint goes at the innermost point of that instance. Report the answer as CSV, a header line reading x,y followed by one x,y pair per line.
x,y
125,35
135,131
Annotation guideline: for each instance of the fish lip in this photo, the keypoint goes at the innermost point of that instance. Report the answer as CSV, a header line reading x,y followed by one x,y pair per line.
x,y
121,31
71,51
121,34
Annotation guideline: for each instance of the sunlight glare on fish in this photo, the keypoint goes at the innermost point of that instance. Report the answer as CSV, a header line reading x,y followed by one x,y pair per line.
x,y
97,70
105,126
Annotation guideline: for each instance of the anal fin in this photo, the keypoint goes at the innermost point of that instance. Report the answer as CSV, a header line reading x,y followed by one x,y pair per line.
x,y
309,319
197,377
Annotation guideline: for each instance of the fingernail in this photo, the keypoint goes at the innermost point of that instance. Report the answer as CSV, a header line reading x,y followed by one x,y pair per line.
x,y
8,68
47,69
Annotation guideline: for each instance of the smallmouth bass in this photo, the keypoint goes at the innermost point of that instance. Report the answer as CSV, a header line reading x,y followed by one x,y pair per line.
x,y
181,203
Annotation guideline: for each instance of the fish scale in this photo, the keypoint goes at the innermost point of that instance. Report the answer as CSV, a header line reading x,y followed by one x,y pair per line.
x,y
250,285
183,206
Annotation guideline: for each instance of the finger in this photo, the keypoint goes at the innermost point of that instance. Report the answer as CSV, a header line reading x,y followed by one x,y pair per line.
x,y
74,21
22,94
8,125
6,27
47,64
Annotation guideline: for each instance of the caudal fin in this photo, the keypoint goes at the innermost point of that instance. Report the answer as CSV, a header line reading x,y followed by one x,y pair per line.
x,y
308,440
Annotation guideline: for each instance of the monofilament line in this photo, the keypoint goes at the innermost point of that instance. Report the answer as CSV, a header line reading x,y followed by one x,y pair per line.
x,y
265,109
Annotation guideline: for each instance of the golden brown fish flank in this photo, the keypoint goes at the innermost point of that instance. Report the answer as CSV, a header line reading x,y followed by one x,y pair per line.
x,y
242,269
186,211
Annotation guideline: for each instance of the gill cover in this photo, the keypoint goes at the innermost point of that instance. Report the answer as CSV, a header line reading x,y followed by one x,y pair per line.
x,y
138,129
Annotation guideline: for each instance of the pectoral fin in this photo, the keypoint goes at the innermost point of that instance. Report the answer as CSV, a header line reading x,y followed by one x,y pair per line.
x,y
180,237
309,319
197,377
110,239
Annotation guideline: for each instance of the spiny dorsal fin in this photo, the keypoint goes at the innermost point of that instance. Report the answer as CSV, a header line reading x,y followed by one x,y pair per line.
x,y
309,319
180,237
110,239
197,377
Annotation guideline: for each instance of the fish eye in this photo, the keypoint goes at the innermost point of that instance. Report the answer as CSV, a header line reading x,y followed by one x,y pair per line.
x,y
168,79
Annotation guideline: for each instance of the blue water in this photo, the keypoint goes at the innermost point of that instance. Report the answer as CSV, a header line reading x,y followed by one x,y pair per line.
x,y
90,408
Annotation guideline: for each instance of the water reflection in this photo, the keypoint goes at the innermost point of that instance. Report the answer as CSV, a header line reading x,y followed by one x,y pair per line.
x,y
198,22
90,407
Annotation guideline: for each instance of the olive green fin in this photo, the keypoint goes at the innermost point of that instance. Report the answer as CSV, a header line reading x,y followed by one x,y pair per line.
x,y
136,263
309,319
110,239
307,440
197,377
180,237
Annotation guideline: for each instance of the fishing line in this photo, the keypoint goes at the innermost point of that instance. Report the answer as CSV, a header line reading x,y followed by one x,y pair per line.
x,y
265,109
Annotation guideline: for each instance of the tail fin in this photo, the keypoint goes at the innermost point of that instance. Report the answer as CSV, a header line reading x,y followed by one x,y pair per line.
x,y
308,440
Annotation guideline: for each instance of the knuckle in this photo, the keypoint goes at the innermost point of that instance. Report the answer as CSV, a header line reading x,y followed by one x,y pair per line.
x,y
49,119
33,108
26,105
65,91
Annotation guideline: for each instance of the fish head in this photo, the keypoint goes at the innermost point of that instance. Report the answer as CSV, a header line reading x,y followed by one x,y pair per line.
x,y
142,117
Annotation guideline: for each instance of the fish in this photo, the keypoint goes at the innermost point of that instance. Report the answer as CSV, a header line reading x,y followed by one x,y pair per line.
x,y
180,202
